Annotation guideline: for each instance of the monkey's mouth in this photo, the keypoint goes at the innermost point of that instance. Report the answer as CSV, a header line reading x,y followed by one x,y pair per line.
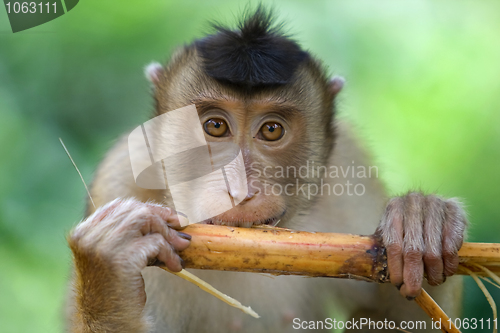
x,y
272,221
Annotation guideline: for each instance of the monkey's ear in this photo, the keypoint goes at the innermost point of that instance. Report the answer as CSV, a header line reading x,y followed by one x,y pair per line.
x,y
335,85
153,72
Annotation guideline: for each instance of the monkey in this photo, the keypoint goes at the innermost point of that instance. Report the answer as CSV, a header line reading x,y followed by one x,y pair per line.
x,y
255,87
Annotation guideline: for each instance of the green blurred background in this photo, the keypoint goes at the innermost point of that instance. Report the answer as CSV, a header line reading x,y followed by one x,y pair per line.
x,y
423,90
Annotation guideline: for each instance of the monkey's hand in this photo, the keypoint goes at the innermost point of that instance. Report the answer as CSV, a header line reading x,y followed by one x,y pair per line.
x,y
110,248
422,233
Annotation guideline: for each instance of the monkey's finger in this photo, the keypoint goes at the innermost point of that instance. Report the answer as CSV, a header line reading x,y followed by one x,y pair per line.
x,y
169,257
154,224
178,240
173,219
413,245
151,246
391,228
453,235
144,250
433,225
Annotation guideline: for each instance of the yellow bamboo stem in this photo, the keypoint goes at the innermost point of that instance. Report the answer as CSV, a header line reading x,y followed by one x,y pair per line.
x,y
288,252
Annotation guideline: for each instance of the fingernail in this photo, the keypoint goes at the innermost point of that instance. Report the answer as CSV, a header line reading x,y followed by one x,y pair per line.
x,y
183,263
184,235
399,286
410,298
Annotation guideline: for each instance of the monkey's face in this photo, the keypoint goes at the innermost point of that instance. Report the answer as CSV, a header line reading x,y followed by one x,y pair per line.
x,y
280,131
278,139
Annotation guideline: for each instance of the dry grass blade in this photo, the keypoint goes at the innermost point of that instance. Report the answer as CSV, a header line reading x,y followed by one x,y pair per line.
x,y
490,274
490,282
487,294
211,290
77,170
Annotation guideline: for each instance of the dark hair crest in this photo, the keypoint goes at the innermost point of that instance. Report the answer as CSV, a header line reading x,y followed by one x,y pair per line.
x,y
256,54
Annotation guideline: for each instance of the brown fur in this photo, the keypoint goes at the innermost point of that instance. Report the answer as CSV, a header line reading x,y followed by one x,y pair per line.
x,y
106,293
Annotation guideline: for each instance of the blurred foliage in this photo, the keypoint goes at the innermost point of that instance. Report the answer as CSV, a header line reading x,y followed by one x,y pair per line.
x,y
422,90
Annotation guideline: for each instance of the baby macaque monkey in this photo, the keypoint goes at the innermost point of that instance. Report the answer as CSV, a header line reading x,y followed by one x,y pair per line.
x,y
256,88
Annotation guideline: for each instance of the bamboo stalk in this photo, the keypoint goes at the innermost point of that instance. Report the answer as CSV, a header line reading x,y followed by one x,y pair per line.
x,y
288,252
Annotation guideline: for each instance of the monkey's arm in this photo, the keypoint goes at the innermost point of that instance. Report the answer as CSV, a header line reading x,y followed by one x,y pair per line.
x,y
106,296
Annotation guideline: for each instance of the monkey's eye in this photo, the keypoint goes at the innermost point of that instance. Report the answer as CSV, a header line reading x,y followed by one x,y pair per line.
x,y
215,127
272,131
